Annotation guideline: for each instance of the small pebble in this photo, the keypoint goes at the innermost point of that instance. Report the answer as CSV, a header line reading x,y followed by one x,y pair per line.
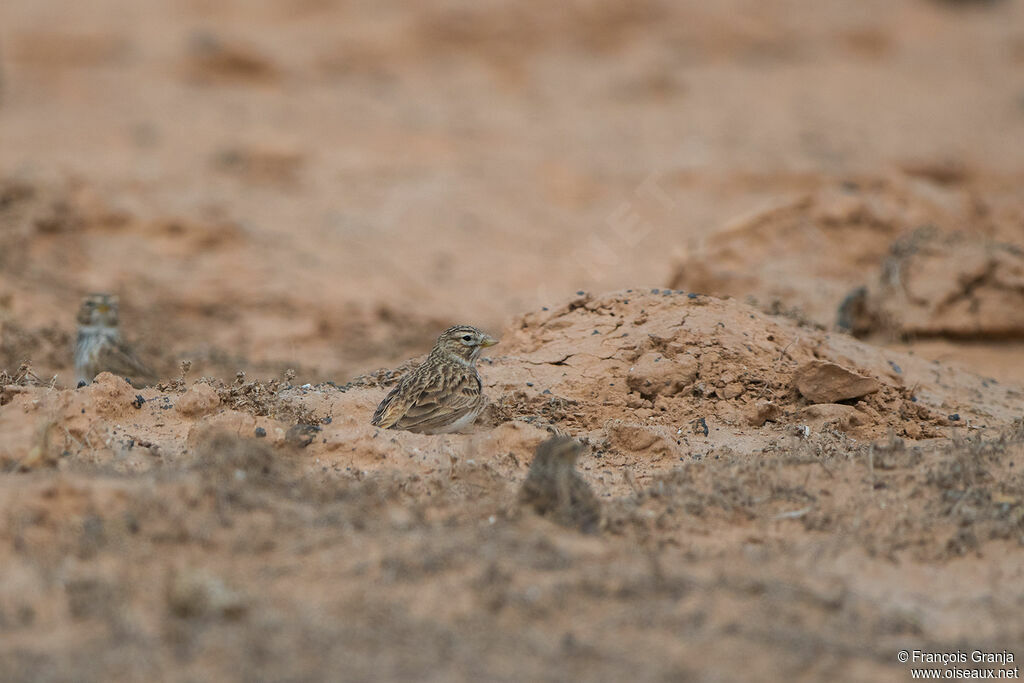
x,y
955,417
655,291
691,295
529,384
580,293
260,432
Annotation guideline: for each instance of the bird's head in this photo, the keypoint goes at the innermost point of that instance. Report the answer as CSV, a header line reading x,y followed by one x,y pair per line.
x,y
99,310
463,342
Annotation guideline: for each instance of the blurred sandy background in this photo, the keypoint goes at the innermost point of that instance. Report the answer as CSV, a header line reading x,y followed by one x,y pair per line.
x,y
324,185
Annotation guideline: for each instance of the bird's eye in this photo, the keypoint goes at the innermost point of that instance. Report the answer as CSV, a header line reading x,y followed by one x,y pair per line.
x,y
466,337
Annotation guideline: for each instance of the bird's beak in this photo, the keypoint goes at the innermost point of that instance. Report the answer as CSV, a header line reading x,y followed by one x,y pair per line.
x,y
488,341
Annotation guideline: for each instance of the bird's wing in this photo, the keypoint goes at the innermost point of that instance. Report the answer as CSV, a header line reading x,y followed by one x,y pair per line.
x,y
430,400
394,405
122,361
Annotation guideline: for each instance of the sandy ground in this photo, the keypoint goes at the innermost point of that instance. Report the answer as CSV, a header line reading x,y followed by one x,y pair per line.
x,y
765,259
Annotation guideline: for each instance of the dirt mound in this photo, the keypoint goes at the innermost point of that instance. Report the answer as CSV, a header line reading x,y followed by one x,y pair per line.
x,y
808,253
937,284
663,370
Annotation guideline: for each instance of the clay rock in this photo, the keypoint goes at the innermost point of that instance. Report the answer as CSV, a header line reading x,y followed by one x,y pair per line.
x,y
199,400
824,382
654,374
762,412
111,395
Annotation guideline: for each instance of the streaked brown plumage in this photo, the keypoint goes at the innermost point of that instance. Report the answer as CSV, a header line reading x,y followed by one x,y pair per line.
x,y
444,394
99,347
554,489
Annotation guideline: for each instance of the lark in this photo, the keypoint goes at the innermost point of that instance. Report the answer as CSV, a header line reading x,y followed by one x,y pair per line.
x,y
554,489
444,393
99,347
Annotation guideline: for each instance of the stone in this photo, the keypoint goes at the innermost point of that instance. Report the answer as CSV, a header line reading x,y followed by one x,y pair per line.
x,y
111,394
761,412
201,399
825,382
732,390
